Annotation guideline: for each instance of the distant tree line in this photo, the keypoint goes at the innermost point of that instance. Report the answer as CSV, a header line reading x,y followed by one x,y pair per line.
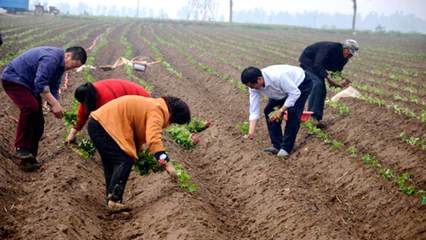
x,y
395,22
373,21
102,10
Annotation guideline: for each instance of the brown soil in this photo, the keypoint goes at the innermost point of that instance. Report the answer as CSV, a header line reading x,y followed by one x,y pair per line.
x,y
243,193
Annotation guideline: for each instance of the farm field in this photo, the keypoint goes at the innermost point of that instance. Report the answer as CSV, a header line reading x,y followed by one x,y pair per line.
x,y
362,177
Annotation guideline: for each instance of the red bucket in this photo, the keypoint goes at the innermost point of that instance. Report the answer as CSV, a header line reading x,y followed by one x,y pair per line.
x,y
305,116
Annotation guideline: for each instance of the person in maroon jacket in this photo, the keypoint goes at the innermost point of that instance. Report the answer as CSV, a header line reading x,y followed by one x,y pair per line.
x,y
93,96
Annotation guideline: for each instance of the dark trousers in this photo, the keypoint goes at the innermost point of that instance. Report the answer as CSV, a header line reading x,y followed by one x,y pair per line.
x,y
292,126
31,121
117,164
317,97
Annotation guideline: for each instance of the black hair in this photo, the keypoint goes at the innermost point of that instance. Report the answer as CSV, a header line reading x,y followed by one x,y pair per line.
x,y
250,75
78,53
178,109
86,95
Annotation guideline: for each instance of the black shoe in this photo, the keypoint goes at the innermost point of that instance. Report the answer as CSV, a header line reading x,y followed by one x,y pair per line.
x,y
318,124
23,153
272,150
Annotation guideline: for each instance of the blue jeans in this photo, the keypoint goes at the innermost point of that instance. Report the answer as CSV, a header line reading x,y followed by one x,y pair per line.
x,y
292,126
318,95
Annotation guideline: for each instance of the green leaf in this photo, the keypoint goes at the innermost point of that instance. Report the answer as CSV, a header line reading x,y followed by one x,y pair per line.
x,y
423,199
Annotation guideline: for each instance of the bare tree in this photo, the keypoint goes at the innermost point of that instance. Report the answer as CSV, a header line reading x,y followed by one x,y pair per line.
x,y
354,17
230,11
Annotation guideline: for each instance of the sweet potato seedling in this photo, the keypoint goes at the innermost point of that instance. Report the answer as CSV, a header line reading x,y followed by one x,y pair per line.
x,y
243,127
147,163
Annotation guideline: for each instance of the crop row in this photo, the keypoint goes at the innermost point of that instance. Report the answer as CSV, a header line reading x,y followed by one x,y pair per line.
x,y
10,56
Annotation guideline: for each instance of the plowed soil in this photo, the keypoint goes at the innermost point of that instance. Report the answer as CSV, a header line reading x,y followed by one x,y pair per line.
x,y
319,192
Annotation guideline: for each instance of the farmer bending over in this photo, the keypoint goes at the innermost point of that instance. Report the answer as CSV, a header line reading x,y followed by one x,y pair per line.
x,y
316,59
121,127
31,77
287,88
93,96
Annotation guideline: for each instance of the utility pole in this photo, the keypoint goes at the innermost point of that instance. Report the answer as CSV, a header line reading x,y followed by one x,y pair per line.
x,y
354,18
137,10
230,11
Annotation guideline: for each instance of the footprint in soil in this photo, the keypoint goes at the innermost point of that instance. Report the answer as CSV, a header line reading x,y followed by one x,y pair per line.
x,y
26,167
119,216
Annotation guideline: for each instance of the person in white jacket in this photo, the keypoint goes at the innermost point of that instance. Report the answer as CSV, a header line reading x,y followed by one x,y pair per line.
x,y
287,88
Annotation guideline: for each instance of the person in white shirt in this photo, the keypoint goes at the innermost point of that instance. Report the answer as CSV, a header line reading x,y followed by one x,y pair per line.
x,y
287,88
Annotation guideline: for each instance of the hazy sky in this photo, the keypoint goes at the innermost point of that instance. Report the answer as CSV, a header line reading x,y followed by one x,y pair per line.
x,y
387,7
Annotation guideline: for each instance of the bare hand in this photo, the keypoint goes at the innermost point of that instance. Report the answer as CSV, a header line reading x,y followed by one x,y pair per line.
x,y
172,172
45,108
277,116
70,139
249,136
57,111
345,83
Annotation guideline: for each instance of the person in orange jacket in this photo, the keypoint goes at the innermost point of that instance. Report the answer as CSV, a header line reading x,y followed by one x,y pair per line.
x,y
119,129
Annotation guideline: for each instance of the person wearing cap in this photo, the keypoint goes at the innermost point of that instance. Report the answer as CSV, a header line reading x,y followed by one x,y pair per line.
x,y
35,75
93,96
319,58
121,127
287,88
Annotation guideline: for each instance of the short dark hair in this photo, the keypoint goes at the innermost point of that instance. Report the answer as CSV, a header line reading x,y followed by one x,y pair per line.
x,y
78,53
178,109
250,75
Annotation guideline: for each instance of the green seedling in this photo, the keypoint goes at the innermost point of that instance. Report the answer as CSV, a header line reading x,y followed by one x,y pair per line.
x,y
243,127
367,158
147,163
183,179
182,135
353,150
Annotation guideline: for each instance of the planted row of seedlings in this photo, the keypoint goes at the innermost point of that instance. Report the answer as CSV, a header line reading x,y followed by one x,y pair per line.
x,y
401,181
413,141
206,52
235,47
10,56
159,55
381,102
204,67
10,39
175,32
415,91
283,45
128,55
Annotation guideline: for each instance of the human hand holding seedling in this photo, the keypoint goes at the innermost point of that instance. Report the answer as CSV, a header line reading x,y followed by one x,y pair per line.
x,y
345,83
278,114
251,130
249,136
172,172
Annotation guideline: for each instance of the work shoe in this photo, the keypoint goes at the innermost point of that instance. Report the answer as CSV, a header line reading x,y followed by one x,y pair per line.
x,y
283,153
271,150
29,165
23,153
318,124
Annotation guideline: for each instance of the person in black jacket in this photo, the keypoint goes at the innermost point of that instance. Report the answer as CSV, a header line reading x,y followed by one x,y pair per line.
x,y
317,59
1,40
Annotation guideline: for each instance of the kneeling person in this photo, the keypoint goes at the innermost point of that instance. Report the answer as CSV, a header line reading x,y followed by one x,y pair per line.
x,y
120,128
287,87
